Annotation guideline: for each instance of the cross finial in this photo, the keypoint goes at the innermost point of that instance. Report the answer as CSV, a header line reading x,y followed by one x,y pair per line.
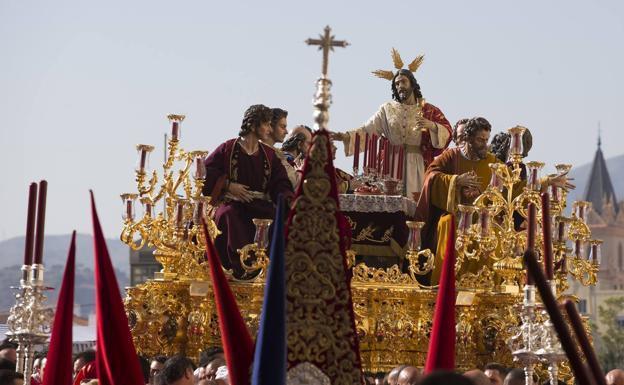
x,y
326,43
599,141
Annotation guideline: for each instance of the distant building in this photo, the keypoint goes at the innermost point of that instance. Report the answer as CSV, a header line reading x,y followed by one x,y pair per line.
x,y
606,221
143,265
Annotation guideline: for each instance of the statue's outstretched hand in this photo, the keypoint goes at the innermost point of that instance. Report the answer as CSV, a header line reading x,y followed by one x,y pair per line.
x,y
339,136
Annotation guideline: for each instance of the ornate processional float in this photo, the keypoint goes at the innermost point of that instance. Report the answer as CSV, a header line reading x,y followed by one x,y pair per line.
x,y
497,315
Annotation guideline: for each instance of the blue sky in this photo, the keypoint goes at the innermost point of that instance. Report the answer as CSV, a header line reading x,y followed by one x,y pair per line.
x,y
82,82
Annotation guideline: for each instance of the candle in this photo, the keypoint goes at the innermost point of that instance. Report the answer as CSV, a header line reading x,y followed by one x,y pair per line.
x,y
595,253
30,224
401,163
531,213
581,336
200,168
199,211
570,348
41,209
148,209
356,152
373,153
143,160
561,231
547,236
392,159
578,249
129,215
554,191
379,155
484,221
364,163
175,130
180,214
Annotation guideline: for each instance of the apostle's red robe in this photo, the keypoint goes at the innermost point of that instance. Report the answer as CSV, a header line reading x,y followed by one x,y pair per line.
x,y
262,173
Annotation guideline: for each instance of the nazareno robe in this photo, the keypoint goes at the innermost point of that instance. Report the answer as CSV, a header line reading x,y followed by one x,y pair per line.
x,y
262,173
439,200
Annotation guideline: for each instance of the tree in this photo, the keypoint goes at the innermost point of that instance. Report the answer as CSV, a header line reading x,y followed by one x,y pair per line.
x,y
611,353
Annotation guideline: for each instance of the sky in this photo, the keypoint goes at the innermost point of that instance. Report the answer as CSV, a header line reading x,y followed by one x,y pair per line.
x,y
81,83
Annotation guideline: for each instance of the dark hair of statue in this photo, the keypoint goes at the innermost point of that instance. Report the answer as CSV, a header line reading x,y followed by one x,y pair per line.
x,y
499,146
292,144
278,114
255,116
475,125
454,134
415,86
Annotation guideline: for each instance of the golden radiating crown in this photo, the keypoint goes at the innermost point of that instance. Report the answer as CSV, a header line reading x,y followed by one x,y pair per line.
x,y
398,64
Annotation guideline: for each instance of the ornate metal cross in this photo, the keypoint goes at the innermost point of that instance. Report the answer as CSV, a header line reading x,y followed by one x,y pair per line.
x,y
326,42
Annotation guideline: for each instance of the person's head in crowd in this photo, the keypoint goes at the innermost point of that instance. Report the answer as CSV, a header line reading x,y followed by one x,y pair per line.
x,y
495,372
278,126
409,375
6,364
214,352
445,378
615,377
8,350
178,370
83,358
458,131
393,376
156,365
213,366
477,377
379,378
222,377
11,377
514,377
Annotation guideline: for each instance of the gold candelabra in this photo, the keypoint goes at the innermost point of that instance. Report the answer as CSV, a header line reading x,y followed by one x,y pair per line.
x,y
175,232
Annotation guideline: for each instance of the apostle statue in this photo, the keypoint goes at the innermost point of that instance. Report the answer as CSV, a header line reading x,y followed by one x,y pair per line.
x,y
408,121
244,177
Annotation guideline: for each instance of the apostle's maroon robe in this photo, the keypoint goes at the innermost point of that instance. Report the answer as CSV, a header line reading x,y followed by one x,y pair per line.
x,y
261,172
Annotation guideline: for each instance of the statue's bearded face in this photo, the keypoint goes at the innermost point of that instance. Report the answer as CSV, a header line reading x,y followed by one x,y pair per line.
x,y
478,143
404,87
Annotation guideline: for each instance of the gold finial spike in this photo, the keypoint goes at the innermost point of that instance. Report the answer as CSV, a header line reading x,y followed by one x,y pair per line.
x,y
396,59
415,64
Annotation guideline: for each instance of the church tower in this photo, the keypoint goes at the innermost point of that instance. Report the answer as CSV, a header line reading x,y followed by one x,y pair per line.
x,y
606,220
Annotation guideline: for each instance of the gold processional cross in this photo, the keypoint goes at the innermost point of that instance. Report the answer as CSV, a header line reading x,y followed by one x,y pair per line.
x,y
326,43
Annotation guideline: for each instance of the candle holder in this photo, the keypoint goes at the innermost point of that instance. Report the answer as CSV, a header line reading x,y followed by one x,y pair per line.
x,y
524,343
420,262
515,147
176,125
175,232
533,172
144,151
30,318
550,351
253,256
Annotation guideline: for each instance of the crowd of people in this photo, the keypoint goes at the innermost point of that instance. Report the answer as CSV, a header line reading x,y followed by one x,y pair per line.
x,y
211,369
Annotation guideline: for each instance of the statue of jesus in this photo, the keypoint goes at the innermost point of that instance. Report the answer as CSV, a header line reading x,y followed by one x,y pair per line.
x,y
408,120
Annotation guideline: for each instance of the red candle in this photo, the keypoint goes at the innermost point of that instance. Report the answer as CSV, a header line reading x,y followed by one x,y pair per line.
x,y
581,336
387,157
531,220
392,159
129,215
401,163
356,152
379,156
180,214
175,130
41,209
200,168
30,224
366,143
547,236
373,151
550,303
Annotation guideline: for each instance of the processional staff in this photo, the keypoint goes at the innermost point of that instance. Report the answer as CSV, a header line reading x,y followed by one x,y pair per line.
x,y
322,98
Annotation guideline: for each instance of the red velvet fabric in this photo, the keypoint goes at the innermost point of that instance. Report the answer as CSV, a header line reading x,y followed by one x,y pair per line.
x,y
441,354
116,359
235,337
59,364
